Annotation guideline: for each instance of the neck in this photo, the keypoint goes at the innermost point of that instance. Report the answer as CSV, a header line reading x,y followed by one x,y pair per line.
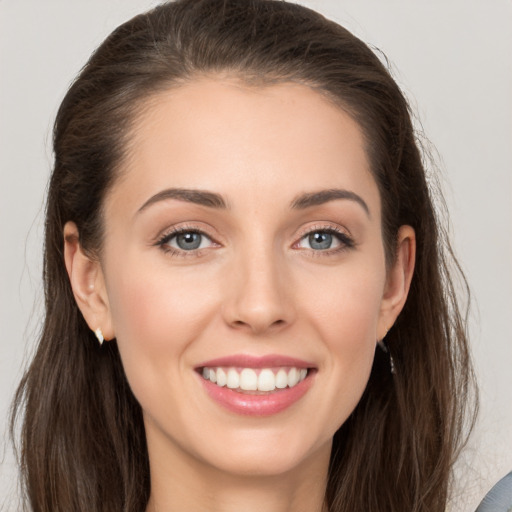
x,y
195,487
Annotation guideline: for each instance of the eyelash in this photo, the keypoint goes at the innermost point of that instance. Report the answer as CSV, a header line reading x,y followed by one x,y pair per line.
x,y
345,241
164,240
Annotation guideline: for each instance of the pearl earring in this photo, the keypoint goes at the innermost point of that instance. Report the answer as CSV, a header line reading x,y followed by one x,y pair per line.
x,y
99,335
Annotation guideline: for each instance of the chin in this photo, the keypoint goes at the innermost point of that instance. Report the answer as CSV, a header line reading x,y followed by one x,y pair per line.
x,y
266,455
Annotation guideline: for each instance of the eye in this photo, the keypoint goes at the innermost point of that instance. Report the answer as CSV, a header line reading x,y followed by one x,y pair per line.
x,y
325,240
319,241
185,240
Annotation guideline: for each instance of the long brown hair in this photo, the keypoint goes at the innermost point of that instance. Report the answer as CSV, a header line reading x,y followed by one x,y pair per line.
x,y
82,441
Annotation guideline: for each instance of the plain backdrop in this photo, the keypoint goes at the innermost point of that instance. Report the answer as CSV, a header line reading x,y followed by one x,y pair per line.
x,y
453,60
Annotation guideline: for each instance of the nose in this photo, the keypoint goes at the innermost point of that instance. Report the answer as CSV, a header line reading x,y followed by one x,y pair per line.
x,y
258,294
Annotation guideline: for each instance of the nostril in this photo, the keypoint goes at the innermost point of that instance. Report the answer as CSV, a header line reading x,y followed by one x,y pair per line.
x,y
258,326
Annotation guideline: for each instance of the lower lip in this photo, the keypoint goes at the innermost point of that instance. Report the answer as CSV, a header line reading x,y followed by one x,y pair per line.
x,y
257,405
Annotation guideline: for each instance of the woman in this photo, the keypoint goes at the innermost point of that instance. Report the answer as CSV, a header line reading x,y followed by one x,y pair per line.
x,y
239,214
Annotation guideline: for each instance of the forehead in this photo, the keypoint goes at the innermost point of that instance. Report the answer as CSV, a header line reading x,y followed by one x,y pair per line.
x,y
226,136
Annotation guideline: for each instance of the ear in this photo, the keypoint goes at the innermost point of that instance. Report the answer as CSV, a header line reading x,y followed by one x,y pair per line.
x,y
87,282
398,280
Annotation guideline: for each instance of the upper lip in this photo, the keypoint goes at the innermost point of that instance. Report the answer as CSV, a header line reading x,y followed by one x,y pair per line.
x,y
250,361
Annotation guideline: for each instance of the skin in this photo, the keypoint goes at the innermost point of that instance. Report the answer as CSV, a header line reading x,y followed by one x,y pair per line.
x,y
256,286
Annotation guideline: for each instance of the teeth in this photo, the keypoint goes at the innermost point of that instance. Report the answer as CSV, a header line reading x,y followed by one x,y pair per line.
x,y
221,377
266,380
293,377
233,381
249,379
281,379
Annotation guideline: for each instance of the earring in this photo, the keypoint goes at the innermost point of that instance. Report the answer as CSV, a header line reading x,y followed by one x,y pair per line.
x,y
99,335
384,347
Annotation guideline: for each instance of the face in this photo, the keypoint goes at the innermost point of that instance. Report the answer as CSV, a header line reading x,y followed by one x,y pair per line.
x,y
243,245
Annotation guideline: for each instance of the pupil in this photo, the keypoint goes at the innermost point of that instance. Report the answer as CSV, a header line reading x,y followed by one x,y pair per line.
x,y
188,241
320,240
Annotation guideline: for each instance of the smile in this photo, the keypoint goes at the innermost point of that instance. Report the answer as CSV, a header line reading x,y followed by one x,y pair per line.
x,y
256,385
255,379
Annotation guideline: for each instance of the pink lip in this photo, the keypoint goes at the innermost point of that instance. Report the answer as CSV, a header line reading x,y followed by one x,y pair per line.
x,y
256,405
248,361
262,404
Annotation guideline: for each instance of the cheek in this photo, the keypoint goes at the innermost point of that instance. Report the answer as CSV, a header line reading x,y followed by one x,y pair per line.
x,y
155,306
156,315
345,313
345,304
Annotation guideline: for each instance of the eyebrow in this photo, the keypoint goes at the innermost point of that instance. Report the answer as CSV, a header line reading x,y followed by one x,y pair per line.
x,y
201,197
324,196
213,200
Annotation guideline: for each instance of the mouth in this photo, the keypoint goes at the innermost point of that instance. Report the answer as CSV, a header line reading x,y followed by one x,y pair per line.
x,y
256,386
255,380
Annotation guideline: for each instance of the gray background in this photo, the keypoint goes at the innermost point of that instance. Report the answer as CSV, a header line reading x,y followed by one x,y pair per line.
x,y
452,58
